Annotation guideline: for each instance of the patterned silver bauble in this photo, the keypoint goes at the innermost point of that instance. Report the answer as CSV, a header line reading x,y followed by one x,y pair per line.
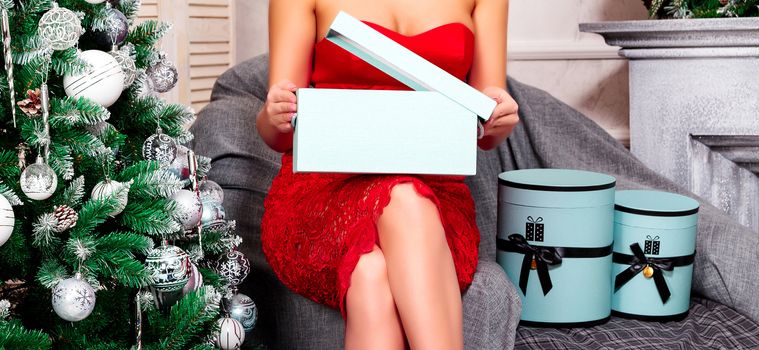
x,y
212,211
211,191
110,188
73,299
189,209
39,181
160,147
169,267
231,334
234,267
114,33
102,82
128,66
163,75
242,308
60,28
195,281
7,220
181,166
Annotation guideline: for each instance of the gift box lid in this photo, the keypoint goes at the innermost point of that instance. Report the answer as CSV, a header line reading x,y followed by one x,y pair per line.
x,y
404,65
655,209
556,188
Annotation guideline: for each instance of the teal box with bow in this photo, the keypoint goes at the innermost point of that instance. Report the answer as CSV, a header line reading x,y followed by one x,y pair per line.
x,y
555,232
654,249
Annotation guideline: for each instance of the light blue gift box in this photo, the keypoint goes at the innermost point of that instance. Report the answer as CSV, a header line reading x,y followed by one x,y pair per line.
x,y
653,231
562,222
432,130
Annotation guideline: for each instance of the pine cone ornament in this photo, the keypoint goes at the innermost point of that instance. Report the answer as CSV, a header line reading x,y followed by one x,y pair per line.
x,y
32,104
66,216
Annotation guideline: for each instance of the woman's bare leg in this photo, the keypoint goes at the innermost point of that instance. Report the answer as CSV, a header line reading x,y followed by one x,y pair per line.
x,y
421,271
372,319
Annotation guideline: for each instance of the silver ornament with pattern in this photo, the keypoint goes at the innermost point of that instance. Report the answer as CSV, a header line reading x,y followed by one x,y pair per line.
x,y
234,267
73,299
60,28
242,308
189,209
169,267
39,181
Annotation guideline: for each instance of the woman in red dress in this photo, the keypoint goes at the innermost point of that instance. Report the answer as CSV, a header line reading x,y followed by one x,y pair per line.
x,y
392,252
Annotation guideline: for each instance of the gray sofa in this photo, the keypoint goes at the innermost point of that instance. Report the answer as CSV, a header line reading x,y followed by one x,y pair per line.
x,y
551,135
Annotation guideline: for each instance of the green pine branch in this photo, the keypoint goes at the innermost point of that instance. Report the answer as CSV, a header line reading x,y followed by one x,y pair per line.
x,y
151,217
14,336
194,314
78,111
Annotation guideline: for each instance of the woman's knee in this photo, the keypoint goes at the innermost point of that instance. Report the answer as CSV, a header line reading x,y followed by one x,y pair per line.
x,y
407,203
371,270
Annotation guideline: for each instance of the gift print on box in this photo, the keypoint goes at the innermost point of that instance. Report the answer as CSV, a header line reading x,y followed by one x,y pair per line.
x,y
652,245
535,229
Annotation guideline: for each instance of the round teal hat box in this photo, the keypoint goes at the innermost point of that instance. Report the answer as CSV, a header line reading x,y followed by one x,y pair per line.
x,y
654,248
555,231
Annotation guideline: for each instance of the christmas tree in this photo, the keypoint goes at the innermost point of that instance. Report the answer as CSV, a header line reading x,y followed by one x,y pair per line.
x,y
110,235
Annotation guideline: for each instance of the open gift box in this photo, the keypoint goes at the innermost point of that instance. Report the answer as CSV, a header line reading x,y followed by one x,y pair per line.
x,y
432,130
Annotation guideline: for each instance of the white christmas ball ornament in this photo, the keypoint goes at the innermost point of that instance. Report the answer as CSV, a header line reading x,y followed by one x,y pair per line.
x,y
39,181
231,334
189,209
102,82
211,191
7,220
73,299
95,1
109,188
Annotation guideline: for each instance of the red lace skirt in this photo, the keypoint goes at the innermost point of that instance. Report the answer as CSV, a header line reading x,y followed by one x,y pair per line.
x,y
316,226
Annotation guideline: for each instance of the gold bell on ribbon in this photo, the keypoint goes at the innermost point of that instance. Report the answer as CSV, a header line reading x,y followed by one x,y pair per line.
x,y
648,271
534,264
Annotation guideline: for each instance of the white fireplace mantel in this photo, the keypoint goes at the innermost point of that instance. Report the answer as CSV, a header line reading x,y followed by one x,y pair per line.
x,y
694,104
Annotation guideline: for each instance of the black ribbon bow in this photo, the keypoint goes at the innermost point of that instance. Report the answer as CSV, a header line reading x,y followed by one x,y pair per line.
x,y
638,262
543,256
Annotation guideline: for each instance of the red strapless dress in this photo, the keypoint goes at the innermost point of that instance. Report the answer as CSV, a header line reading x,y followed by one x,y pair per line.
x,y
316,226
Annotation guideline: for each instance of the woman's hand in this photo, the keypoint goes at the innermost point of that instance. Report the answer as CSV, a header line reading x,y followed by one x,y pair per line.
x,y
281,105
274,121
502,121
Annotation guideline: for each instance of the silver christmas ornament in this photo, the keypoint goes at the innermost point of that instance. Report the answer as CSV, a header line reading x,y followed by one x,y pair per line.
x,y
95,1
234,267
163,74
114,33
231,334
39,181
73,299
7,220
242,308
212,211
170,268
60,28
160,147
110,188
8,55
189,209
181,166
194,282
128,66
102,82
211,191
